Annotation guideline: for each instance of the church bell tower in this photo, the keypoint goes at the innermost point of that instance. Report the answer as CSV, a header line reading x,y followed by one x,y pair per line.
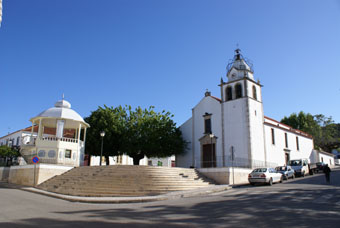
x,y
242,115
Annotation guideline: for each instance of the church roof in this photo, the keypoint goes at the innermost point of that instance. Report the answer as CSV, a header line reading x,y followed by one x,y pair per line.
x,y
286,127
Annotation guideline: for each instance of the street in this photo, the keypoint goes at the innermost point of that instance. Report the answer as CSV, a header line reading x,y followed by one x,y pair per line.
x,y
302,202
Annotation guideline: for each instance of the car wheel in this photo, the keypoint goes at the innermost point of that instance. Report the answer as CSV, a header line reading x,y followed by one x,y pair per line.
x,y
281,179
252,184
270,181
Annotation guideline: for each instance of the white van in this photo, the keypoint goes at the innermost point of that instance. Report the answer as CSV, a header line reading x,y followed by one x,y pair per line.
x,y
300,166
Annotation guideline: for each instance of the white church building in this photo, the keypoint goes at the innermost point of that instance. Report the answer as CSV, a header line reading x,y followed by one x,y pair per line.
x,y
232,131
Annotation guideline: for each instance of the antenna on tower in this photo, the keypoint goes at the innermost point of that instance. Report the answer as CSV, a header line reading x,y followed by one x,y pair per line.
x,y
63,96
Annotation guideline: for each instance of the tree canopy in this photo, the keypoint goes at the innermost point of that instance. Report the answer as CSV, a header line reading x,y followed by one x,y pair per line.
x,y
325,132
136,133
6,151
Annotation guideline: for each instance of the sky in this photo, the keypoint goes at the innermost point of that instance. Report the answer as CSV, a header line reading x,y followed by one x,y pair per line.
x,y
165,53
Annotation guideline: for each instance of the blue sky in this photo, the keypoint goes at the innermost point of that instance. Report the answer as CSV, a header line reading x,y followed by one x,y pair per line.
x,y
165,53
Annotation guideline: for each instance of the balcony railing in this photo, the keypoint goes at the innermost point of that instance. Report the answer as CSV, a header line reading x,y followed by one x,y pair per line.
x,y
29,140
52,138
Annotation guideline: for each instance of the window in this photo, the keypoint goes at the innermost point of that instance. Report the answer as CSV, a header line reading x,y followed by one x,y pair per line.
x,y
68,153
229,93
273,136
238,90
18,140
254,93
207,126
286,139
207,123
297,143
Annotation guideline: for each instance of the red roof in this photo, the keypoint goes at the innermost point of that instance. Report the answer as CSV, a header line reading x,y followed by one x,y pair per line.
x,y
218,99
291,129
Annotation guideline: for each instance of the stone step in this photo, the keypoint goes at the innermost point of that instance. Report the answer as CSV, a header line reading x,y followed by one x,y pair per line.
x,y
124,180
126,186
100,189
116,192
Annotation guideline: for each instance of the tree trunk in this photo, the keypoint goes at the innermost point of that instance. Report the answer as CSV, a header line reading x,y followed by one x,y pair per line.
x,y
136,158
107,160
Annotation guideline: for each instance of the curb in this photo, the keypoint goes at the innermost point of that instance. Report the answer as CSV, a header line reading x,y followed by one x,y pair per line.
x,y
143,199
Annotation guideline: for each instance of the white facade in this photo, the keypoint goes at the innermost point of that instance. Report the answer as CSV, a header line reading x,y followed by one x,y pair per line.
x,y
126,160
326,158
233,131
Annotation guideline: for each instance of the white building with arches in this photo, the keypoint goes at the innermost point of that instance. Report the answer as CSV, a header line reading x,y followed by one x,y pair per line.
x,y
233,131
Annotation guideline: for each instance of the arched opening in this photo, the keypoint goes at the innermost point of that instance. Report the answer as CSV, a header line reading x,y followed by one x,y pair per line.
x,y
238,90
229,93
254,93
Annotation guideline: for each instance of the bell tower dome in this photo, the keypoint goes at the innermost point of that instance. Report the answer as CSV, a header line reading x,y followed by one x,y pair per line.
x,y
239,68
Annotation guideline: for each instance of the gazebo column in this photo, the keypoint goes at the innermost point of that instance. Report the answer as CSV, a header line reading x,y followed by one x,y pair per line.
x,y
79,130
32,131
84,135
40,129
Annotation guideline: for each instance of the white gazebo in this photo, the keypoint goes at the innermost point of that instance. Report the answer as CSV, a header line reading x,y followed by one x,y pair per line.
x,y
60,139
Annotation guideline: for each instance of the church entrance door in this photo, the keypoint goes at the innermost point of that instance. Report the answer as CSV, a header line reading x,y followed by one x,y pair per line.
x,y
209,156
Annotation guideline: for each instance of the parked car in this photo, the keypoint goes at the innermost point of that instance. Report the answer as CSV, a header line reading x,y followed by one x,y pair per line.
x,y
286,171
320,166
265,175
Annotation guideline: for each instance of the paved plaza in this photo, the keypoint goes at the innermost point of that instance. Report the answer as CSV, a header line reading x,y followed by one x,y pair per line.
x,y
303,202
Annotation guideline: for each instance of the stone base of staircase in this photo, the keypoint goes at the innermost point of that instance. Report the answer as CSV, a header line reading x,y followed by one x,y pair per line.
x,y
125,181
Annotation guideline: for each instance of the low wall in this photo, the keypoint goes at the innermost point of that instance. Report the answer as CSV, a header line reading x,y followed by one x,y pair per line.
x,y
4,173
29,175
227,175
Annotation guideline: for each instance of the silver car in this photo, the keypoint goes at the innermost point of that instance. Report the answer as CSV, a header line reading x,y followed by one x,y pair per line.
x,y
287,171
265,175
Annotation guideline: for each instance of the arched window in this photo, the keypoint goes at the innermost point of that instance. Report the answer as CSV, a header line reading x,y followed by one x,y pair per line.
x,y
254,93
238,90
229,93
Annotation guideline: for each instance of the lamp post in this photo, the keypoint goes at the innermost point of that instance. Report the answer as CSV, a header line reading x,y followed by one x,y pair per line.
x,y
102,134
212,149
232,151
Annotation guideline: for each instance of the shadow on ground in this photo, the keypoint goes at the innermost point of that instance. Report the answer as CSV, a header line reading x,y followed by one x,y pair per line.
x,y
319,179
292,208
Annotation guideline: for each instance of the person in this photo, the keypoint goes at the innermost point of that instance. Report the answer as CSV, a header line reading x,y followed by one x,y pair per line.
x,y
327,171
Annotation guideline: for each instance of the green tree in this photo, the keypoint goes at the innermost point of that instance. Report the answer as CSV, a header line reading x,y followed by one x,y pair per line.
x,y
136,133
152,134
325,132
112,121
6,151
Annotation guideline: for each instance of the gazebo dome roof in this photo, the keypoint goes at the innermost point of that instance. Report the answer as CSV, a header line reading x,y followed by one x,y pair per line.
x,y
61,110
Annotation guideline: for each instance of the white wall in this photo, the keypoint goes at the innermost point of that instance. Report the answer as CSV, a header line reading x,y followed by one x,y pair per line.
x,y
126,160
13,136
212,106
185,159
276,153
326,158
236,128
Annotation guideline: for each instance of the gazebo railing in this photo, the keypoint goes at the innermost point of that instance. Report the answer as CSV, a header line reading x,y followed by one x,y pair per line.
x,y
53,138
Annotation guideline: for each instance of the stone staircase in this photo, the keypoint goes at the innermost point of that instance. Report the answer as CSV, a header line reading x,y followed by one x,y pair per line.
x,y
124,180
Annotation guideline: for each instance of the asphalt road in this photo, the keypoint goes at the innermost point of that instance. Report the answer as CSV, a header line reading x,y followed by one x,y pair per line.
x,y
303,202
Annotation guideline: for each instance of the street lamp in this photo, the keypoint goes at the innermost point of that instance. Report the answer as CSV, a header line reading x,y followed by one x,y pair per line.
x,y
102,134
212,149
